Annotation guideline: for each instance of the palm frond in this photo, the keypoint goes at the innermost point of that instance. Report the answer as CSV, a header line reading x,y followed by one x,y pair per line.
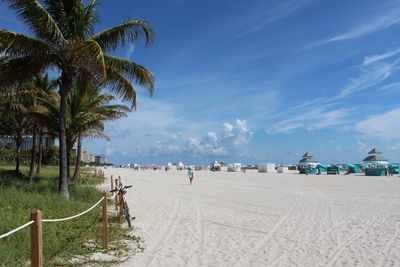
x,y
16,44
121,87
39,20
130,70
95,133
75,20
131,31
18,70
88,55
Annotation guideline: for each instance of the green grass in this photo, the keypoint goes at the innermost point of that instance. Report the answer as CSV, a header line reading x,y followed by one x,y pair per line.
x,y
61,240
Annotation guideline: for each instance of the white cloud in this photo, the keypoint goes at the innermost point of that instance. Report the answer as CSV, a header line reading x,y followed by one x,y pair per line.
x,y
370,77
312,120
384,126
390,87
375,58
129,52
378,23
282,10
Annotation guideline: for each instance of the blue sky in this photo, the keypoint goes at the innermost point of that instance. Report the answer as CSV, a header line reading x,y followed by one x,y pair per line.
x,y
259,81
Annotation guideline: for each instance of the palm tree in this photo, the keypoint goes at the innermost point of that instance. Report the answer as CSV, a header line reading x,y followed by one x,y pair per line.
x,y
43,85
64,39
86,114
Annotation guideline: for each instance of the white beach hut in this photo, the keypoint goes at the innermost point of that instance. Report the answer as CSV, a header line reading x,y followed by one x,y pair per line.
x,y
180,166
235,167
283,169
266,167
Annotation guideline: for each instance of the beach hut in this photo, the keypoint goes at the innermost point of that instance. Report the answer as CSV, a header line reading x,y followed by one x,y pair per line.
x,y
180,166
308,165
235,167
215,166
375,158
377,165
267,167
282,169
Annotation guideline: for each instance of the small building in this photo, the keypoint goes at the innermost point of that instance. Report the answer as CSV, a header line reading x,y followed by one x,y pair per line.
x,y
99,159
308,161
375,157
215,166
267,167
180,166
282,169
235,167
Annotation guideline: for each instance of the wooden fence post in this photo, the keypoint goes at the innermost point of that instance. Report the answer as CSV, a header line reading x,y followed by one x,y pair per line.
x,y
121,205
112,183
36,239
117,195
105,220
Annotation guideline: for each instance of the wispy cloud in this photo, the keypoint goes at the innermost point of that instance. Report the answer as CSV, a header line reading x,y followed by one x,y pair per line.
x,y
369,78
281,10
390,87
375,58
129,52
315,119
384,126
378,23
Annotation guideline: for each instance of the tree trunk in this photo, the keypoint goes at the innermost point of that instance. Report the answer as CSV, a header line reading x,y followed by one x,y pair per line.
x,y
78,161
33,154
70,146
63,180
39,161
18,143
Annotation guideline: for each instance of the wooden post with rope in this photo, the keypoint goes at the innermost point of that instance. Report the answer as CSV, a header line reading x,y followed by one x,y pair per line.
x,y
105,220
36,239
121,204
117,195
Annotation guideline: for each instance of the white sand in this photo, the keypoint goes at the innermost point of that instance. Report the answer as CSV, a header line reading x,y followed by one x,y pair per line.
x,y
258,219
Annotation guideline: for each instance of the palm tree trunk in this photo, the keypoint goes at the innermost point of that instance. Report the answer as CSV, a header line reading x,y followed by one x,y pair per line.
x,y
33,155
63,180
39,161
18,143
78,160
69,150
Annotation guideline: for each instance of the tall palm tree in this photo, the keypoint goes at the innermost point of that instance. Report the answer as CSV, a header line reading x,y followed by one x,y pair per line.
x,y
43,85
86,115
64,39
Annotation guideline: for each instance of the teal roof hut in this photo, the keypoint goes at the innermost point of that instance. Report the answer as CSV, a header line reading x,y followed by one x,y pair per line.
x,y
375,157
308,160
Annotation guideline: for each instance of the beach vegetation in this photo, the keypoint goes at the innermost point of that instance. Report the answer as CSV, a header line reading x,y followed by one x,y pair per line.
x,y
63,40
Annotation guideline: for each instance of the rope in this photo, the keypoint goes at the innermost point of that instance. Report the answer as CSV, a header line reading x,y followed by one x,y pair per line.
x,y
113,196
17,229
75,216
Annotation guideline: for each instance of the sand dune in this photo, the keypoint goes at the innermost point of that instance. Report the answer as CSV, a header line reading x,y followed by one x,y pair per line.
x,y
258,219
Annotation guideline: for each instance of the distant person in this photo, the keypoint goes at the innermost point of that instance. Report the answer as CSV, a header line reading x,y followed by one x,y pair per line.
x,y
190,174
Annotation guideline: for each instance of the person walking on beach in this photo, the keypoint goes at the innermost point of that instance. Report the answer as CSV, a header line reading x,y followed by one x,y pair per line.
x,y
190,174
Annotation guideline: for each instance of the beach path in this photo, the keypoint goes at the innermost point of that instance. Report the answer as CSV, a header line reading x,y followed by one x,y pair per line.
x,y
258,219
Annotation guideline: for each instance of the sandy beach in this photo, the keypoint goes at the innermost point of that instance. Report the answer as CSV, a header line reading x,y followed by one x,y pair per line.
x,y
258,219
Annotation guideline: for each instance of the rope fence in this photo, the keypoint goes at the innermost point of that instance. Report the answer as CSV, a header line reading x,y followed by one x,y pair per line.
x,y
17,229
36,223
74,216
